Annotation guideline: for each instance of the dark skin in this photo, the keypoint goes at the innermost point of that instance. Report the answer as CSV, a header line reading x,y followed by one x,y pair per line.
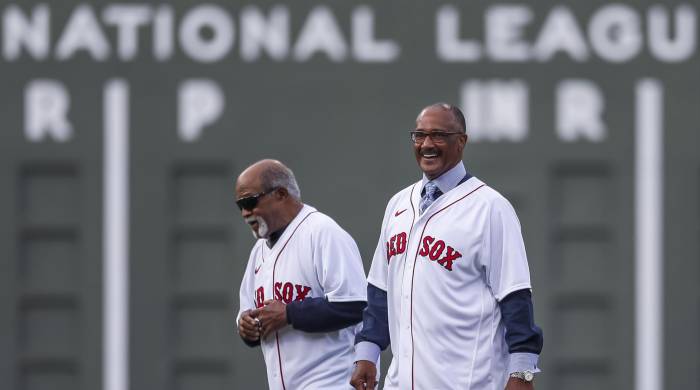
x,y
277,209
364,376
271,318
247,327
433,159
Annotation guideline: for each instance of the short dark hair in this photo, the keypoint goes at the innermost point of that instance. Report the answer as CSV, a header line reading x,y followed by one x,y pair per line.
x,y
456,113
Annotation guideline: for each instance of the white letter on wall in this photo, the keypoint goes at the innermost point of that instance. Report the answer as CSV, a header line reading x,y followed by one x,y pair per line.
x,y
320,34
496,110
449,47
615,33
504,32
19,31
200,103
259,33
365,47
46,104
195,45
560,32
661,45
128,19
163,33
82,32
579,111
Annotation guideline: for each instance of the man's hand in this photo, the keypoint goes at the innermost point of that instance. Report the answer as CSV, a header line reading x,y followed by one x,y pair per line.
x,y
247,326
519,384
365,375
272,316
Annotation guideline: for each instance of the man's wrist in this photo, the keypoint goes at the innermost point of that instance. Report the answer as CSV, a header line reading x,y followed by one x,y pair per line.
x,y
366,350
525,376
523,361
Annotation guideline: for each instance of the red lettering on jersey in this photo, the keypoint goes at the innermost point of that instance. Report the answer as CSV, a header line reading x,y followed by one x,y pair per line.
x,y
259,297
302,291
436,250
287,293
401,243
395,246
426,245
451,256
392,246
284,291
278,291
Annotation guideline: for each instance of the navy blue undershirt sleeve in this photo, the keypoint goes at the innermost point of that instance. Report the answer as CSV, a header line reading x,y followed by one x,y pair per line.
x,y
375,319
320,315
522,335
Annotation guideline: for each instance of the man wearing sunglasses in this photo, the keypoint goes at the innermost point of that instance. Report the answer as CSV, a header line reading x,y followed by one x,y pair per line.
x,y
304,289
449,286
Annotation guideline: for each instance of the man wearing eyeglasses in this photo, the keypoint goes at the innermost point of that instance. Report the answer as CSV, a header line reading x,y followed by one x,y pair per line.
x,y
449,286
304,289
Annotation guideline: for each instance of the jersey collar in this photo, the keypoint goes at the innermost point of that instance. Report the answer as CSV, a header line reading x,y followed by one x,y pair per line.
x,y
305,210
448,180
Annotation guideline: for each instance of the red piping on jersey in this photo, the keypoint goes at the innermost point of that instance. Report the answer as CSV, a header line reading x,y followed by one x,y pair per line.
x,y
277,337
414,272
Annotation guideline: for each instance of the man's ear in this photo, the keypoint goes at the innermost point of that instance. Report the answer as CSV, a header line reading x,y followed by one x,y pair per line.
x,y
281,193
463,140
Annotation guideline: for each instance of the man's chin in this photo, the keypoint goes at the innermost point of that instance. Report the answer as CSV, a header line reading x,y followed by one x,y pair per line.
x,y
432,169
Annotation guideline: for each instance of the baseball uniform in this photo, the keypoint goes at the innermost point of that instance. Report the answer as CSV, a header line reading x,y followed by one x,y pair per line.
x,y
444,272
314,257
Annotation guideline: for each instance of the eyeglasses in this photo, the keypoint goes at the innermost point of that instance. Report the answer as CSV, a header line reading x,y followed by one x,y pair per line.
x,y
438,136
249,202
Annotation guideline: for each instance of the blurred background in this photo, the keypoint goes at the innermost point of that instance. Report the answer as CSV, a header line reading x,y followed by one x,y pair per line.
x,y
124,126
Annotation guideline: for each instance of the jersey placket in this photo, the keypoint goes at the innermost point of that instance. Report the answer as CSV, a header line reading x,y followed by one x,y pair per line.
x,y
264,279
407,305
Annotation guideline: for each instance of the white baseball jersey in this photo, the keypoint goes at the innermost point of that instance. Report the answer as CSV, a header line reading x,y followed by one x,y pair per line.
x,y
314,257
444,272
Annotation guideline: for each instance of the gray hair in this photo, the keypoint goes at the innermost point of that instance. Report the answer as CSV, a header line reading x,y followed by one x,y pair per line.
x,y
278,175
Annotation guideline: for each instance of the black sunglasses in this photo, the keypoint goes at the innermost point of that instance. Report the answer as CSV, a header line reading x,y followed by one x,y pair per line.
x,y
249,202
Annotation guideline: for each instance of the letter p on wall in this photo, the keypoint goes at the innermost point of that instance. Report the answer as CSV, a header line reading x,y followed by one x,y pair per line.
x,y
200,103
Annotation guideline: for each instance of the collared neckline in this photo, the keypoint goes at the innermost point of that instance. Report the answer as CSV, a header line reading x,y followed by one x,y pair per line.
x,y
275,236
303,212
448,180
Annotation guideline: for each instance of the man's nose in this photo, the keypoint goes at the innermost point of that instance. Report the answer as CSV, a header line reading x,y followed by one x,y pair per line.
x,y
245,213
428,142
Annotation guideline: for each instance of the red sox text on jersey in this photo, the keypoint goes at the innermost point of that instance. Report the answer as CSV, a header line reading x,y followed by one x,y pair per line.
x,y
432,248
284,291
